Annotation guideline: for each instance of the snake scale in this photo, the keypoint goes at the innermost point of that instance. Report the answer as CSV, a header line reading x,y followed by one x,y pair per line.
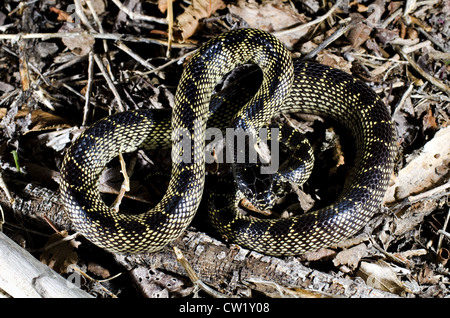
x,y
287,86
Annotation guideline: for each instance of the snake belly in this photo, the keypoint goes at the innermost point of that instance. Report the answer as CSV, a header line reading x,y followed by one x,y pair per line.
x,y
286,87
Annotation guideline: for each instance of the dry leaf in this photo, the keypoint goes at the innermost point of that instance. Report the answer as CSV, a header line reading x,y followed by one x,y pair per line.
x,y
351,257
429,121
274,290
62,15
380,275
335,61
42,120
321,254
98,270
427,277
271,16
360,32
98,5
79,45
59,254
188,21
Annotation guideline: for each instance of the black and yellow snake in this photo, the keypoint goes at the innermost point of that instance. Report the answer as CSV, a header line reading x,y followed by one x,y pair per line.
x,y
286,87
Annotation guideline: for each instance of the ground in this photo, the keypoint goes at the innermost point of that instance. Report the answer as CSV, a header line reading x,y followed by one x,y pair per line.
x,y
64,65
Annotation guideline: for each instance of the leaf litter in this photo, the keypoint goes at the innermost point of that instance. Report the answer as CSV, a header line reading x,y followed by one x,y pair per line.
x,y
400,49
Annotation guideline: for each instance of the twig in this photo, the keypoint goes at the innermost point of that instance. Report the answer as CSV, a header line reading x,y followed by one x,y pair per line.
x,y
111,86
106,36
82,16
160,68
429,37
444,233
135,56
136,16
311,23
2,218
4,187
424,74
170,28
441,234
405,96
82,273
285,292
32,66
391,18
388,255
99,23
21,6
87,95
429,193
73,61
337,34
193,275
418,46
126,181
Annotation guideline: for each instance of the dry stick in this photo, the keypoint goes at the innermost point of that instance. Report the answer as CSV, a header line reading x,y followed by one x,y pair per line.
x,y
444,227
170,28
87,95
106,36
126,180
4,187
85,275
429,37
193,275
159,68
73,61
82,16
111,86
424,74
91,28
137,16
135,56
2,219
307,25
429,193
444,233
32,66
99,23
337,34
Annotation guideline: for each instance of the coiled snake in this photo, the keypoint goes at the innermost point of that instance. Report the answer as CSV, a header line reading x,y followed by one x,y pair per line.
x,y
286,87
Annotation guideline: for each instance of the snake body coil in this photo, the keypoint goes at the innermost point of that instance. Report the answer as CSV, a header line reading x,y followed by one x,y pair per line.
x,y
286,87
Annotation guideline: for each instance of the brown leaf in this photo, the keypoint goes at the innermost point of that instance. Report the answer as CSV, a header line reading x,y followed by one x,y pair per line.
x,y
188,21
320,254
351,257
334,60
98,270
427,277
360,32
59,254
62,15
380,275
429,121
79,45
271,16
42,120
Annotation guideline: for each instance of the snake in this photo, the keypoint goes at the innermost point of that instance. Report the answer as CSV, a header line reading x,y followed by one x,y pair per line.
x,y
287,86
